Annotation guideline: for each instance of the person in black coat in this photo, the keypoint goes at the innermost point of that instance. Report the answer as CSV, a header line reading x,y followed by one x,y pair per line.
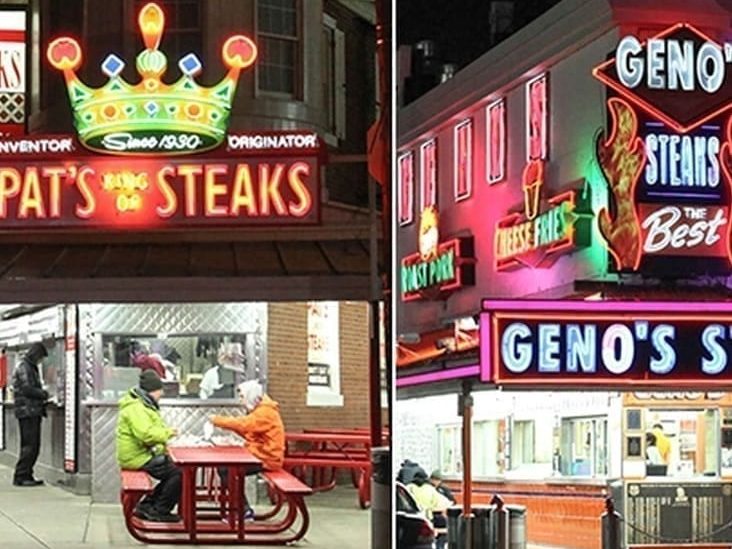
x,y
30,407
408,470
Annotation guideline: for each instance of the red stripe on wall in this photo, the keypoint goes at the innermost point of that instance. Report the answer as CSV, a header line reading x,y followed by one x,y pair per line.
x,y
12,36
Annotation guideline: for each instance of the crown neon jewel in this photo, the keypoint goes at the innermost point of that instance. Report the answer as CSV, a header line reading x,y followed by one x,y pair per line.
x,y
151,117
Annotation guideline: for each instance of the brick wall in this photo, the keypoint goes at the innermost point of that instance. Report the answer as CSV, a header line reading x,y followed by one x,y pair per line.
x,y
287,365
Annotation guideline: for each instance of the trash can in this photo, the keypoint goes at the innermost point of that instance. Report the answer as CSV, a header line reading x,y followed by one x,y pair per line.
x,y
455,528
482,527
380,497
517,526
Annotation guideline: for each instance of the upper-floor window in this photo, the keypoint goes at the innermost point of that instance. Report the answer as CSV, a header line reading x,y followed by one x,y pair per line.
x,y
496,141
537,118
406,188
278,39
183,31
428,175
334,77
463,160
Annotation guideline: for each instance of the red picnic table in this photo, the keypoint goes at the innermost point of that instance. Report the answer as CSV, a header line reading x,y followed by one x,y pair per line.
x,y
325,452
219,520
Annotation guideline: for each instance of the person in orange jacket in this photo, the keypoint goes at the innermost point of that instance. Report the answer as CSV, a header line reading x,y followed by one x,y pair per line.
x,y
261,428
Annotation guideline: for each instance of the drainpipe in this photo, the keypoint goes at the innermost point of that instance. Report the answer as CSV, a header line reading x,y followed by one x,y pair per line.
x,y
466,410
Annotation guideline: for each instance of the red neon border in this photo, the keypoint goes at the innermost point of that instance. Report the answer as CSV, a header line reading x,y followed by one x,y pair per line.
x,y
544,120
497,104
406,219
467,123
493,310
423,204
649,108
411,259
552,249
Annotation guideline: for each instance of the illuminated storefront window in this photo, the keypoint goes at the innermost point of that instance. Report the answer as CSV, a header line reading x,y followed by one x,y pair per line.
x,y
463,160
584,451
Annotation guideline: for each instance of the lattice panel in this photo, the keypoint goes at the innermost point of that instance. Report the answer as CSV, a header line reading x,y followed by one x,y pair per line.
x,y
12,108
178,318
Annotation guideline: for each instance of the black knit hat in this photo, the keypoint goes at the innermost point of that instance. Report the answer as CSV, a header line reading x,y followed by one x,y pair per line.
x,y
150,381
36,352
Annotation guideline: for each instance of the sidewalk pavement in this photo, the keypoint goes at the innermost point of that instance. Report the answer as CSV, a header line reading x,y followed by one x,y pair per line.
x,y
50,517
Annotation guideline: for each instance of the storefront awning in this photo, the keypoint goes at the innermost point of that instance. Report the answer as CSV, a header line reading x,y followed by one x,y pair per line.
x,y
330,261
435,344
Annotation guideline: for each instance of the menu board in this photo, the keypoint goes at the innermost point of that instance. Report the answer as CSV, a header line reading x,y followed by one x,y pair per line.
x,y
661,513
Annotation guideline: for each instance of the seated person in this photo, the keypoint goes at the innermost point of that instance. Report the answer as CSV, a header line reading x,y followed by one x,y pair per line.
x,y
261,428
142,436
426,496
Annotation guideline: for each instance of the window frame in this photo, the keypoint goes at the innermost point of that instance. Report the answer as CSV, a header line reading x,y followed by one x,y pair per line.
x,y
299,70
336,129
468,193
332,395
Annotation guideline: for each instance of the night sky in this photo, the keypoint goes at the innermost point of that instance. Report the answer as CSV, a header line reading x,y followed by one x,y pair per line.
x,y
459,27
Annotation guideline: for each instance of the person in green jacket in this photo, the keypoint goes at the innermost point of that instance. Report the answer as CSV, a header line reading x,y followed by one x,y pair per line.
x,y
142,436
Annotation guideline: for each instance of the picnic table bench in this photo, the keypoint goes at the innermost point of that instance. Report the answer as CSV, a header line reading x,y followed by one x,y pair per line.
x,y
217,518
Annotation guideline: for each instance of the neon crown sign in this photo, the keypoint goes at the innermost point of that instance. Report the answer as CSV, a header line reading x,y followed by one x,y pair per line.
x,y
151,117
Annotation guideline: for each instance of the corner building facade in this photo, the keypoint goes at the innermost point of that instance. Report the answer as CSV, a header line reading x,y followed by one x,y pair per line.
x,y
563,201
262,290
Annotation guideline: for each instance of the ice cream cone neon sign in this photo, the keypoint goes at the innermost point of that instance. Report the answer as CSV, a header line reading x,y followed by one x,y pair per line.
x,y
533,179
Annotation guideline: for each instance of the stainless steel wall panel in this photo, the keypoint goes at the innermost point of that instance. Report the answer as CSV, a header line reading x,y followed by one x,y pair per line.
x,y
178,318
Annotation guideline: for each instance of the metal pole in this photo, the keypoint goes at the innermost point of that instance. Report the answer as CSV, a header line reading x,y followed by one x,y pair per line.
x,y
610,526
467,413
501,518
381,519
